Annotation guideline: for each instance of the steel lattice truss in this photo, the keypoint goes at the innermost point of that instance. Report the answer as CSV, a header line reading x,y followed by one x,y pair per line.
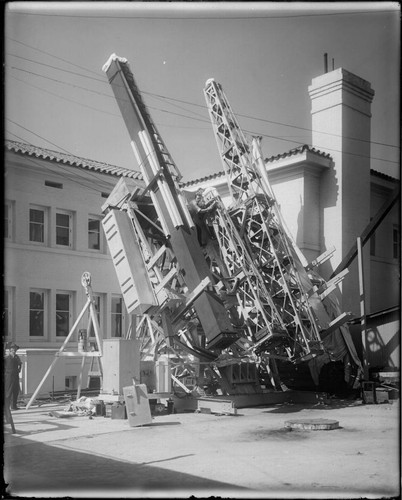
x,y
182,308
225,308
287,321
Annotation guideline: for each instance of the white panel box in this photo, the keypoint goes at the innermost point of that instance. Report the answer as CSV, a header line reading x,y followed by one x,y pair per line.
x,y
128,262
120,363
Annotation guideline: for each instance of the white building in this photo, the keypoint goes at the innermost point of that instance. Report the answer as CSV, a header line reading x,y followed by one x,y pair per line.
x,y
328,194
53,234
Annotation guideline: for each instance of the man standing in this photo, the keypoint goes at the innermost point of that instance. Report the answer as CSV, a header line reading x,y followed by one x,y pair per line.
x,y
12,368
200,210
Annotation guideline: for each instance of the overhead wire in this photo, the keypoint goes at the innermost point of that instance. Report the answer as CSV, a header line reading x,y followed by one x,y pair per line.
x,y
176,99
201,119
53,144
64,176
91,174
168,98
206,121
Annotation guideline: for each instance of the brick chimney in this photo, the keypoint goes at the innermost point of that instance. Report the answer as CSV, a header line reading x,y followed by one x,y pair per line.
x,y
341,116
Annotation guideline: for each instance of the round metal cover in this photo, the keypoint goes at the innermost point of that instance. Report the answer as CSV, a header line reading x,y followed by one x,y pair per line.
x,y
313,424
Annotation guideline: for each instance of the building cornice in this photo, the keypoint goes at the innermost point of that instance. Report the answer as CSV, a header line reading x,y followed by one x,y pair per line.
x,y
28,150
297,156
341,79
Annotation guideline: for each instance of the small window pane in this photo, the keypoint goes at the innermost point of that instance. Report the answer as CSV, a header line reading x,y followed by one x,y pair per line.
x,y
63,220
62,229
94,234
6,221
117,316
62,314
36,314
36,225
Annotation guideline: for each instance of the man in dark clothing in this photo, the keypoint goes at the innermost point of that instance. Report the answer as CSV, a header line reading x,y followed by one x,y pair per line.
x,y
12,368
199,210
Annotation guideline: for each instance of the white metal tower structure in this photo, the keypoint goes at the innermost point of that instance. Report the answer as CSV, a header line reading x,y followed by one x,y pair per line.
x,y
289,323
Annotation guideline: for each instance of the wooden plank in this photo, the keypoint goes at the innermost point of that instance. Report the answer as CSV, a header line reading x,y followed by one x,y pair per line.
x,y
321,259
363,318
78,354
336,323
217,405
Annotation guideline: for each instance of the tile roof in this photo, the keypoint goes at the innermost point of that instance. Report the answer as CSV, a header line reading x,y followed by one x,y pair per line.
x,y
387,177
69,159
292,152
296,151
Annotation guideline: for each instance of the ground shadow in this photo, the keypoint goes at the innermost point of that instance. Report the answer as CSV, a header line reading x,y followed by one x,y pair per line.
x,y
38,469
330,404
156,424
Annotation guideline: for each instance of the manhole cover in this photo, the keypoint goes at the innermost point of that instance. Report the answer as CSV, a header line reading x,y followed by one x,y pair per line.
x,y
313,424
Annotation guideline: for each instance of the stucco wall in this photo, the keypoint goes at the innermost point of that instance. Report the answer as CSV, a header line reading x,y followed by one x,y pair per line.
x,y
47,266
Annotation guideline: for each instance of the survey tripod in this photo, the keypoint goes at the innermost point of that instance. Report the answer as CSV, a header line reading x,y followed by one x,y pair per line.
x,y
93,319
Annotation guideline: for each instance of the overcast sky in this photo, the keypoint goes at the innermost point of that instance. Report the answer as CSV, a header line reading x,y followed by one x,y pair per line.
x,y
264,54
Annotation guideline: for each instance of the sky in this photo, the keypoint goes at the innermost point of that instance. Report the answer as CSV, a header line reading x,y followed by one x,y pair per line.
x,y
264,54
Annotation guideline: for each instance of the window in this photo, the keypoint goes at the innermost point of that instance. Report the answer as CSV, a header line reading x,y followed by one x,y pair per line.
x,y
37,225
71,382
396,242
117,316
8,221
37,313
97,300
52,184
94,234
63,229
63,306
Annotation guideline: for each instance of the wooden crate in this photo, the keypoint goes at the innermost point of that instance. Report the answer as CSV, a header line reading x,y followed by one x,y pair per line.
x,y
368,392
381,395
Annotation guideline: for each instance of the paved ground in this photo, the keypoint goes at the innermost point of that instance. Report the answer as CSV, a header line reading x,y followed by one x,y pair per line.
x,y
250,455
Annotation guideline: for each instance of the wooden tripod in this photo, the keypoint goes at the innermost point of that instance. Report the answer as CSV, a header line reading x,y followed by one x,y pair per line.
x,y
90,304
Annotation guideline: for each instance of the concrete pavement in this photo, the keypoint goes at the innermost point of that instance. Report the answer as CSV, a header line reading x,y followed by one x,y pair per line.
x,y
251,455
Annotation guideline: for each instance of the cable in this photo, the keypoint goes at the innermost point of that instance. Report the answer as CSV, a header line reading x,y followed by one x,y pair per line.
x,y
52,55
68,177
55,67
197,105
101,110
64,98
254,134
53,144
100,93
171,98
60,81
206,121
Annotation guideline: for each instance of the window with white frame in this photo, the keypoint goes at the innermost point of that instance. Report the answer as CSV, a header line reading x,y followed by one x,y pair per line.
x,y
94,233
8,220
37,313
64,229
37,225
63,313
396,242
117,316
